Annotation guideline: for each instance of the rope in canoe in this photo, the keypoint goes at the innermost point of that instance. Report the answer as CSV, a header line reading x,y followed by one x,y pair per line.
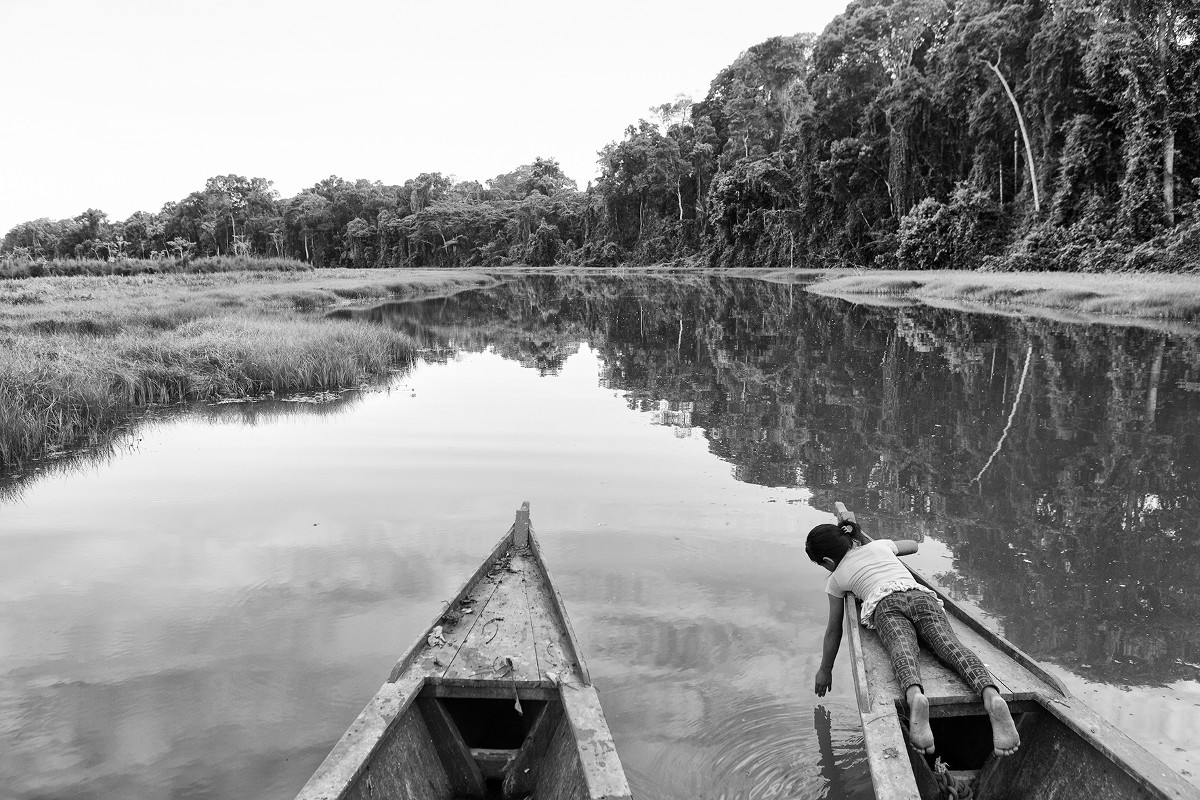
x,y
952,787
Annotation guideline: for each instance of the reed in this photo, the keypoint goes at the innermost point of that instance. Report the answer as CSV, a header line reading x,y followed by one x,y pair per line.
x,y
58,389
75,267
79,355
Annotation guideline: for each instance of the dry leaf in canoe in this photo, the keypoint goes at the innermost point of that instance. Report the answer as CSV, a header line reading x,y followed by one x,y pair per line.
x,y
436,638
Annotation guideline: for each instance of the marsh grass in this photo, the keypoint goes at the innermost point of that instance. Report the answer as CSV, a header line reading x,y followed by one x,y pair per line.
x,y
75,267
1133,295
78,355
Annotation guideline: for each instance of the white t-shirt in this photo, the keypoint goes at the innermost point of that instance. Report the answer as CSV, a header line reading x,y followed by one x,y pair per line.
x,y
871,572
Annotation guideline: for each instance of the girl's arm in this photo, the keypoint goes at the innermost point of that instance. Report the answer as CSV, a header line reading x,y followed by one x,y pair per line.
x,y
905,547
833,640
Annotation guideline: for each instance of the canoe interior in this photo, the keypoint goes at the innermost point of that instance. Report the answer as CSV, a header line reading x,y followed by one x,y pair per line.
x,y
447,745
493,702
1055,761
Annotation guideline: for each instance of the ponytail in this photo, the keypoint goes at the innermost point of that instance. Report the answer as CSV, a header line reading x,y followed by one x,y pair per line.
x,y
833,541
850,528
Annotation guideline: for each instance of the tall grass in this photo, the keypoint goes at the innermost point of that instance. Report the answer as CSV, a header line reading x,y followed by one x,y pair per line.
x,y
58,389
74,267
78,355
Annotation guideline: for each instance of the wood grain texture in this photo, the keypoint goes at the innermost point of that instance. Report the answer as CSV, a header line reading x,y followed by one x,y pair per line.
x,y
1057,763
561,775
502,631
595,748
461,770
406,766
525,771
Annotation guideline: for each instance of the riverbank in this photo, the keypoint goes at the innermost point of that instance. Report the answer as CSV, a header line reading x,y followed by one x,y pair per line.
x,y
78,354
1144,299
12,268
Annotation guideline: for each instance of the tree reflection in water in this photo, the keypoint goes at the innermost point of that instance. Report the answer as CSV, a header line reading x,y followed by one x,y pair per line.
x,y
1080,535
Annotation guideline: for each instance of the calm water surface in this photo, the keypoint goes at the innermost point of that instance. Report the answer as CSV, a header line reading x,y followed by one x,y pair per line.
x,y
201,609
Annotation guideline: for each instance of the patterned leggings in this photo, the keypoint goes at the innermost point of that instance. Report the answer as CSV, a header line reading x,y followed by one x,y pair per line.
x,y
900,616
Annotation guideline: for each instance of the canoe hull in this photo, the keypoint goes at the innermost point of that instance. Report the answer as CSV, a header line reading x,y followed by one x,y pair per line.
x,y
494,701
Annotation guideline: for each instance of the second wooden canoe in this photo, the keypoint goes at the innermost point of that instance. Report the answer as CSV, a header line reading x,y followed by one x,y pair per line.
x,y
1068,752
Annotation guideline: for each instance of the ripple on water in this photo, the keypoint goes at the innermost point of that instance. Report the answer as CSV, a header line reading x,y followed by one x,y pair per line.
x,y
762,750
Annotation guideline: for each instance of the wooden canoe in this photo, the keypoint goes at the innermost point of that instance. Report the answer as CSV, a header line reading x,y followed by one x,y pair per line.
x,y
1067,750
494,701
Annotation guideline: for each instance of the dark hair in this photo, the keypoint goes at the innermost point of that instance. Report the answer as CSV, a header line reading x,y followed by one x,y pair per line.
x,y
833,541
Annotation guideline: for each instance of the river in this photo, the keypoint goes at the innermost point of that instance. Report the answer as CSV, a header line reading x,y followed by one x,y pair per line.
x,y
198,608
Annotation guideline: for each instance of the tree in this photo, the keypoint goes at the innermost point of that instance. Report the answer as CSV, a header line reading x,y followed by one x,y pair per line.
x,y
543,175
308,213
1033,182
752,101
359,234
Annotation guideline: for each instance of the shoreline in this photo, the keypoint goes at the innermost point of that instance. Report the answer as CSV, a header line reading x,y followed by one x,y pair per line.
x,y
1159,301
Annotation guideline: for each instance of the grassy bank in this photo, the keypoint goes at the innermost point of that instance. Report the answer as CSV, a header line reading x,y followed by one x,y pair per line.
x,y
1082,297
74,267
77,355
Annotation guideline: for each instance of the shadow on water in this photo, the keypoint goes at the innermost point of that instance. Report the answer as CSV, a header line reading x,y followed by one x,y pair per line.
x,y
1058,462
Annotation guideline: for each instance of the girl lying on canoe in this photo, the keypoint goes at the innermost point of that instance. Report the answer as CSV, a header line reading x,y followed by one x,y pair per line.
x,y
900,609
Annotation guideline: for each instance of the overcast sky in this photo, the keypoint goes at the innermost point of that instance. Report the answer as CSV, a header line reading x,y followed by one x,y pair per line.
x,y
123,105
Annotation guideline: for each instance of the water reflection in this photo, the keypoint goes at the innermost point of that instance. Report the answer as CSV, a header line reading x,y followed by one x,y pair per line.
x,y
126,436
1090,499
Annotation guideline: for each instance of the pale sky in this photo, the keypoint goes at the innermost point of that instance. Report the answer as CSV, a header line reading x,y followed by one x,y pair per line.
x,y
124,105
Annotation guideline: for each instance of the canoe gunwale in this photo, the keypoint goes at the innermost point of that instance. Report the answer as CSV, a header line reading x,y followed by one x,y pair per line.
x,y
883,735
498,551
854,639
560,611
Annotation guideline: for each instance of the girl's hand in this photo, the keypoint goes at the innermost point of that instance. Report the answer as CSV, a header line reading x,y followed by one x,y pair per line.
x,y
824,681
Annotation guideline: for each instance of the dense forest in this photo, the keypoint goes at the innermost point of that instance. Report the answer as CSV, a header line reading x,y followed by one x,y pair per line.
x,y
920,134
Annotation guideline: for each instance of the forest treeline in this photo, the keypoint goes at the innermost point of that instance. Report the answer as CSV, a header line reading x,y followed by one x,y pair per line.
x,y
919,134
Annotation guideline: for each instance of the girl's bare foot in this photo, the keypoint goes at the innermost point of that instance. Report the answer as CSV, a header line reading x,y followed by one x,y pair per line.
x,y
920,735
1005,739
